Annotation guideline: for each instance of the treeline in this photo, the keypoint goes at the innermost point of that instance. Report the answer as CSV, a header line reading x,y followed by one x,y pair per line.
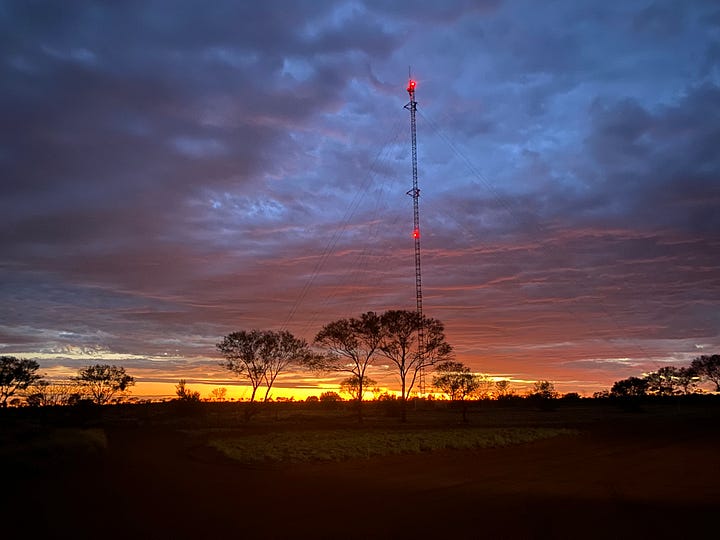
x,y
401,339
404,341
99,384
669,380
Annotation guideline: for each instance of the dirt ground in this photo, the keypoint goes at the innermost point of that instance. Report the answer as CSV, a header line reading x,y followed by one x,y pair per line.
x,y
625,476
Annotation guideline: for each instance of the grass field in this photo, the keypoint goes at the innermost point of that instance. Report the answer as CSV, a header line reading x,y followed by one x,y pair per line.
x,y
54,443
582,470
338,445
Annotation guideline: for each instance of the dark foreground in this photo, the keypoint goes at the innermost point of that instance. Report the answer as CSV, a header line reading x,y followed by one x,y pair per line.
x,y
653,473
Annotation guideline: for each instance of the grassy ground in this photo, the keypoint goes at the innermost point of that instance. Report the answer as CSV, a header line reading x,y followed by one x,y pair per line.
x,y
338,445
582,470
53,444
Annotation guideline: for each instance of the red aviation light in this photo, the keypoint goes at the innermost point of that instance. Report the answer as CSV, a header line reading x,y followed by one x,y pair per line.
x,y
416,233
411,86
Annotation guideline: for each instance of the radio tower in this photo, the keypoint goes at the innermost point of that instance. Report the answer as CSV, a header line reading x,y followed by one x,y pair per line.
x,y
415,194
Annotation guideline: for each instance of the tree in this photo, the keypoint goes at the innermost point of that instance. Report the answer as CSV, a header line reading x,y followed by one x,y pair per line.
x,y
185,394
687,380
630,387
218,394
351,386
102,382
48,393
708,368
351,347
16,374
282,350
663,382
261,355
330,397
503,389
543,393
485,387
400,345
330,400
456,381
544,390
243,352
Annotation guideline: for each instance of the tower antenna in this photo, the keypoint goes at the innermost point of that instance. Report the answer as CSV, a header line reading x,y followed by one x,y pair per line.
x,y
415,194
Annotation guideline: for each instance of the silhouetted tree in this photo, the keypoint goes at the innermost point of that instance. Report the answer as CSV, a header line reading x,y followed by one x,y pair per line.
x,y
330,397
329,400
218,394
503,389
351,386
185,394
687,380
102,382
663,382
16,374
456,381
283,350
243,352
486,387
708,368
544,395
400,346
351,347
261,355
544,390
48,393
630,387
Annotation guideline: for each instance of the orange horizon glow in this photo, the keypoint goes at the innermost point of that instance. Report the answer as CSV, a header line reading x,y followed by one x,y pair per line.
x,y
235,392
239,392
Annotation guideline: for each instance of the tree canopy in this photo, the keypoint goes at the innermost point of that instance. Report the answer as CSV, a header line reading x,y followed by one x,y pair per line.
x,y
351,346
184,393
399,344
544,390
456,380
630,387
261,355
16,374
708,368
666,381
102,382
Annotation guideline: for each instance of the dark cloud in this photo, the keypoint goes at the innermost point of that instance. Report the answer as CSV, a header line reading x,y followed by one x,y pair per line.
x,y
661,164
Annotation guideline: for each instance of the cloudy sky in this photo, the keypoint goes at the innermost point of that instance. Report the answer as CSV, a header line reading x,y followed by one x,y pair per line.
x,y
171,171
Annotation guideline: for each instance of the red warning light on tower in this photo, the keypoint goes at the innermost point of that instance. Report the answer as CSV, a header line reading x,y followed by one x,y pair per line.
x,y
411,86
416,233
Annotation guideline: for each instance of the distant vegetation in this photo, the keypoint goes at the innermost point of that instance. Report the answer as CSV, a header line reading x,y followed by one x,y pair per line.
x,y
670,380
347,346
99,384
185,394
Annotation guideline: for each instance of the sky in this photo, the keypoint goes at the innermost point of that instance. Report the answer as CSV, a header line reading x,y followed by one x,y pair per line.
x,y
173,171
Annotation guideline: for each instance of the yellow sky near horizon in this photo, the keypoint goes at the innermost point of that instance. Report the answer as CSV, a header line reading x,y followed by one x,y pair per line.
x,y
156,377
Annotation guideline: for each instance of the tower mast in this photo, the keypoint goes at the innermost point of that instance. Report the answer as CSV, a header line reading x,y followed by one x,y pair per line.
x,y
415,194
